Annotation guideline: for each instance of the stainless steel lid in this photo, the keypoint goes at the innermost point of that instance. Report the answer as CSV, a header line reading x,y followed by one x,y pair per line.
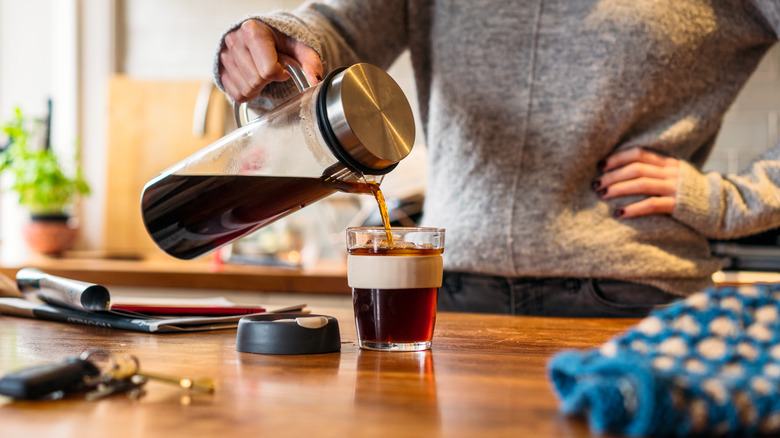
x,y
370,116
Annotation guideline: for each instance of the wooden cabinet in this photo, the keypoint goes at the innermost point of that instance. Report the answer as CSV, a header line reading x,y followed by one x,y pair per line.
x,y
150,129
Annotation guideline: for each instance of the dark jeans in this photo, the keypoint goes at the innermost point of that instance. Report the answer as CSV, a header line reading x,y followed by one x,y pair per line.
x,y
571,297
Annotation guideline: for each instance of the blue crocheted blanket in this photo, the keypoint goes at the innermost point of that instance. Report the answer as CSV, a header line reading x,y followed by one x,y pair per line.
x,y
706,365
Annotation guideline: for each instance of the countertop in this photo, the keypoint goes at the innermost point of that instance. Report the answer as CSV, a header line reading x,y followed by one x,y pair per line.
x,y
485,376
326,277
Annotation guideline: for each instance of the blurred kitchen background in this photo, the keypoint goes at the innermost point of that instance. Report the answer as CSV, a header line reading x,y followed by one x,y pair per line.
x,y
130,80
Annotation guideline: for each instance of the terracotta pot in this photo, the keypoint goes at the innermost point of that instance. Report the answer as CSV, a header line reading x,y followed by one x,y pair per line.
x,y
50,234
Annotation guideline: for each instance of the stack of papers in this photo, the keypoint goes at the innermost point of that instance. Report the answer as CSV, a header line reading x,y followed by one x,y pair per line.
x,y
72,301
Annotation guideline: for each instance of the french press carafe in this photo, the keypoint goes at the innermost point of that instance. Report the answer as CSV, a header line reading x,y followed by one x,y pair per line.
x,y
330,137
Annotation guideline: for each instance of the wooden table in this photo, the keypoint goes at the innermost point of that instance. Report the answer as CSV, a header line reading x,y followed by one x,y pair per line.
x,y
485,376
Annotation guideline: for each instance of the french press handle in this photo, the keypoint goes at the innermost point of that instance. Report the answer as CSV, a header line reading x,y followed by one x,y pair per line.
x,y
293,68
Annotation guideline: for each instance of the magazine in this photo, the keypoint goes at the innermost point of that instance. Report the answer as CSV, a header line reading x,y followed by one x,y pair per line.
x,y
123,320
77,302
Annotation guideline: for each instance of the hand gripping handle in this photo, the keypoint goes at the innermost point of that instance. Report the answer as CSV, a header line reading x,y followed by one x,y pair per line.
x,y
293,68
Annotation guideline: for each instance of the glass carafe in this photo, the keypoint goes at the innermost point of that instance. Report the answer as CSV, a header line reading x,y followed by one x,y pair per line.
x,y
334,136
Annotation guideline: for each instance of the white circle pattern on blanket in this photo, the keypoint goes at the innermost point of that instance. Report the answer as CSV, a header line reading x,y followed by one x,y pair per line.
x,y
712,360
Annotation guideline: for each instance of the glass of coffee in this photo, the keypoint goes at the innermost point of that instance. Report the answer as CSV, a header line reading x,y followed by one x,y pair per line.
x,y
395,275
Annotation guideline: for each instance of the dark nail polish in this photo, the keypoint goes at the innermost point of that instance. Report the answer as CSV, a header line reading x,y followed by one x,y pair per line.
x,y
602,164
619,212
602,192
319,78
596,184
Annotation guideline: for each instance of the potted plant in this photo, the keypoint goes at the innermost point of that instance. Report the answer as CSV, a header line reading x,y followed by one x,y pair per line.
x,y
44,188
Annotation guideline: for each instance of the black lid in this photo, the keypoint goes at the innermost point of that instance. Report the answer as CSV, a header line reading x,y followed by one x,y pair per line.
x,y
288,333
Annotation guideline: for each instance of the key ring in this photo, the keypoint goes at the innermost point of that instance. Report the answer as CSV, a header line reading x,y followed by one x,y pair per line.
x,y
91,351
113,365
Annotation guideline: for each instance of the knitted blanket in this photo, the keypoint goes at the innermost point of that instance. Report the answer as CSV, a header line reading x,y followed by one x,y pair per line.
x,y
708,365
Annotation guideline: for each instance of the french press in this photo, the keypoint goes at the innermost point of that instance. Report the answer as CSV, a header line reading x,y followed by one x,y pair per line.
x,y
330,137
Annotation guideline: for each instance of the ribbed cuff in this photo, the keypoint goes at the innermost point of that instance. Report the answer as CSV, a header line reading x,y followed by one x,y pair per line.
x,y
697,204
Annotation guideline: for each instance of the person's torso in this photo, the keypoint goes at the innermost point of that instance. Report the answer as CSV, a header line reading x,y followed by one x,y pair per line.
x,y
521,100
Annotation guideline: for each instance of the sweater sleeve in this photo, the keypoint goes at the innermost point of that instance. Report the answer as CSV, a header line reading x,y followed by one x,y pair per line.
x,y
343,32
734,205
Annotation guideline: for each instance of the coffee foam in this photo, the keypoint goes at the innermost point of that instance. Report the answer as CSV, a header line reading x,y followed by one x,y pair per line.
x,y
394,272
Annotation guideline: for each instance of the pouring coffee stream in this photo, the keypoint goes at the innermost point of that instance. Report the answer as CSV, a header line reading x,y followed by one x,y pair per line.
x,y
338,135
336,173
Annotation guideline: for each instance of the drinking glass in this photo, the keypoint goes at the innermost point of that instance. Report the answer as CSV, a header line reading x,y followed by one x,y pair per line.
x,y
395,279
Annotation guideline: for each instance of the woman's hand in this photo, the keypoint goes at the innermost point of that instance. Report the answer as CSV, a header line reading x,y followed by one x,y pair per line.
x,y
250,60
638,171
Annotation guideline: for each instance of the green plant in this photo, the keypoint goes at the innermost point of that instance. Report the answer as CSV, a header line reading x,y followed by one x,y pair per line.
x,y
38,178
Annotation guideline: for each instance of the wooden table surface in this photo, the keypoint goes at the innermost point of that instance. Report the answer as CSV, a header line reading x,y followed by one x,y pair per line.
x,y
485,376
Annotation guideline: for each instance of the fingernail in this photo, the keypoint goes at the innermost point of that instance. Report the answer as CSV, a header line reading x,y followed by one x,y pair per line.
x,y
596,184
620,212
602,192
602,164
319,78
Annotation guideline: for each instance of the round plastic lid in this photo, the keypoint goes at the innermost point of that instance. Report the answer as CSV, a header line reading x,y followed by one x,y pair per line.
x,y
288,333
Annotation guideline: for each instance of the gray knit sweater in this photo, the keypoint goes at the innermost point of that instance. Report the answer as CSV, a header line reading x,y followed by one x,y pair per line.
x,y
521,100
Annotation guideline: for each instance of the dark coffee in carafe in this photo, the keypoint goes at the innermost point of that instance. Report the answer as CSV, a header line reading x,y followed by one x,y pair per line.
x,y
191,215
334,136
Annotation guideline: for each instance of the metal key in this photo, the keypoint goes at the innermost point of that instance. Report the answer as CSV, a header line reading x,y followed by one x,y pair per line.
x,y
132,386
117,377
128,366
202,384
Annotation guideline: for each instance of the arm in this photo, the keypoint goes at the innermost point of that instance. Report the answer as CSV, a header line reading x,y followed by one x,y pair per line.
x,y
718,206
321,36
729,206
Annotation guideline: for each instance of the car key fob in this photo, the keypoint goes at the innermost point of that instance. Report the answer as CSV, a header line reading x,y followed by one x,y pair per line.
x,y
41,381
